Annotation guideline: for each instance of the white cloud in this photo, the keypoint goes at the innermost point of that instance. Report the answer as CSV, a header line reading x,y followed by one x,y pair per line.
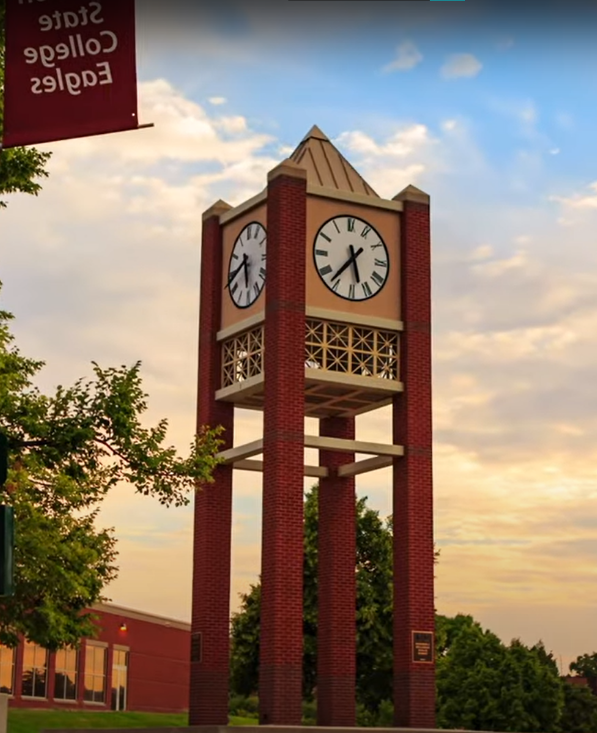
x,y
407,57
483,252
449,125
183,132
217,100
578,200
461,65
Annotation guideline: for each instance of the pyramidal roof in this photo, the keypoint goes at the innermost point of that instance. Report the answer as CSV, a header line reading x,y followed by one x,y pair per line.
x,y
326,166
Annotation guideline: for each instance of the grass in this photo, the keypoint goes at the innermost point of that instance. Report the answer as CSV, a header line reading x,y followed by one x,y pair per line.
x,y
34,721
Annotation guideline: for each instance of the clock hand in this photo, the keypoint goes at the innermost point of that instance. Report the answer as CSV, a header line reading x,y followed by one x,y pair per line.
x,y
246,271
355,267
348,263
234,273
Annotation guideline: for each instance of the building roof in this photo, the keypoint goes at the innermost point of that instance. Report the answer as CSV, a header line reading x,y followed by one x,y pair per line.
x,y
326,166
141,616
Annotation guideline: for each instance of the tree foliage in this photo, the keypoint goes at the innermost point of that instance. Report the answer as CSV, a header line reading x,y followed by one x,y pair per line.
x,y
580,710
483,684
374,612
20,168
585,666
66,452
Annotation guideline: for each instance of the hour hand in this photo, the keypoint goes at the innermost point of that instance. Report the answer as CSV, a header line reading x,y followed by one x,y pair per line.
x,y
234,273
355,267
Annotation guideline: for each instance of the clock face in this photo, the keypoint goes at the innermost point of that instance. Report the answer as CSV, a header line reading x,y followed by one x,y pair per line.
x,y
246,271
351,258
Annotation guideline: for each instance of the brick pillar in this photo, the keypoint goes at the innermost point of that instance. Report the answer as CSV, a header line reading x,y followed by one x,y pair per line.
x,y
336,584
208,703
414,682
281,643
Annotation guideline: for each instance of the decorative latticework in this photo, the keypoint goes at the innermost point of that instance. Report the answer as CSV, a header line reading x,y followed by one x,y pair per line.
x,y
242,357
330,347
356,350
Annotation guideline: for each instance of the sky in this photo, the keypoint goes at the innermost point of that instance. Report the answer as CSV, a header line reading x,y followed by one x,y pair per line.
x,y
489,108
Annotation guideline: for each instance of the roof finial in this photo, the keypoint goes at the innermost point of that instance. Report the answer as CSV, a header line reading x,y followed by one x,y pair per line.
x,y
316,133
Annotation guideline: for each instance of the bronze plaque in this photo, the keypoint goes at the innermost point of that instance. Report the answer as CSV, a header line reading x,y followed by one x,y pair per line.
x,y
423,650
196,646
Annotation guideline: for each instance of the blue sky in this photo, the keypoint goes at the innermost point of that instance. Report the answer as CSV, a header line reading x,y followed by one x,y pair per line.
x,y
490,109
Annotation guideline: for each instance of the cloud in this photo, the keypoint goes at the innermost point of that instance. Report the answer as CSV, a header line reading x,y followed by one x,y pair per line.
x,y
407,57
461,65
579,200
105,265
217,100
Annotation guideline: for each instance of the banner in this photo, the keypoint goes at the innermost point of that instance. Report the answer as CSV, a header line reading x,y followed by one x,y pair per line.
x,y
70,70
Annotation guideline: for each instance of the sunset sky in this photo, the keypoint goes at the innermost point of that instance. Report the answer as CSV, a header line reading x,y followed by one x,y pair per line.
x,y
490,110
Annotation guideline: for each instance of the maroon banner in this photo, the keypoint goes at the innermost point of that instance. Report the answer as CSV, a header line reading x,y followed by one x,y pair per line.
x,y
70,69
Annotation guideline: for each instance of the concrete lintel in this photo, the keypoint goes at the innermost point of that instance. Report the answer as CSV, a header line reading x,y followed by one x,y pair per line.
x,y
352,446
232,455
311,471
369,464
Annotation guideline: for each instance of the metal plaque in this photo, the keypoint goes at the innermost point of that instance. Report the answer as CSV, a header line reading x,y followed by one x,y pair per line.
x,y
423,647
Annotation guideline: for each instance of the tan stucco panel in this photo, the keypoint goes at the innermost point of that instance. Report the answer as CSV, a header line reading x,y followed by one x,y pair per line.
x,y
386,304
231,229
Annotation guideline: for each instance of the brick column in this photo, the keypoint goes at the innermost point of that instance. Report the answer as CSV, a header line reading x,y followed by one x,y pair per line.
x,y
208,703
281,643
414,682
336,584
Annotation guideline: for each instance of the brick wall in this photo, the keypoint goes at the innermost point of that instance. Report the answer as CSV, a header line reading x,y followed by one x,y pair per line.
x,y
208,702
281,646
414,683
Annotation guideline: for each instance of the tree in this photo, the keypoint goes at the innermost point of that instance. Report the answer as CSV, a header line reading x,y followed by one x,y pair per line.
x,y
580,710
585,666
20,168
374,614
67,451
482,684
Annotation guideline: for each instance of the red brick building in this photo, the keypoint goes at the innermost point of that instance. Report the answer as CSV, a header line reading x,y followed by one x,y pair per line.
x,y
138,661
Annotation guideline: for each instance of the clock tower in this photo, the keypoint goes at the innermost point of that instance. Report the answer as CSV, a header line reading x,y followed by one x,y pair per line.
x,y
315,301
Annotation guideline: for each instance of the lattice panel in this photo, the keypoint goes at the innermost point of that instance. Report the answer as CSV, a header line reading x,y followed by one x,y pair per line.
x,y
330,346
242,357
356,350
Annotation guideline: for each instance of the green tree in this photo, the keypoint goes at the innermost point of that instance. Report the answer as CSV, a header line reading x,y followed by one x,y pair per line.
x,y
482,684
580,710
585,666
20,168
67,451
374,614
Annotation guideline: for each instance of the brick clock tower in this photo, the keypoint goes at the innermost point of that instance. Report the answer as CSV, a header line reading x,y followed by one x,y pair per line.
x,y
315,301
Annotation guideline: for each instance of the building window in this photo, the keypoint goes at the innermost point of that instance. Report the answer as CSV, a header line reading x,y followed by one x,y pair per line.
x,y
95,674
119,679
35,671
65,680
7,669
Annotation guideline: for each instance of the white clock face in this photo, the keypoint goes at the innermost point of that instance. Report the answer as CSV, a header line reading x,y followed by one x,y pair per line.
x,y
351,258
246,271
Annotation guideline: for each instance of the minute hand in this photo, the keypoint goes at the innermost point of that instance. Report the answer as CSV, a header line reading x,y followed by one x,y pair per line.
x,y
348,263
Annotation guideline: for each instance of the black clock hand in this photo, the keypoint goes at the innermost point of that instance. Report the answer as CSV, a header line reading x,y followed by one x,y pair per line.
x,y
235,272
245,261
348,263
355,267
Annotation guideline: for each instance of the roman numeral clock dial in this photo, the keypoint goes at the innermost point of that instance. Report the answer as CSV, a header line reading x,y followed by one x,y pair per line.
x,y
246,271
351,258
